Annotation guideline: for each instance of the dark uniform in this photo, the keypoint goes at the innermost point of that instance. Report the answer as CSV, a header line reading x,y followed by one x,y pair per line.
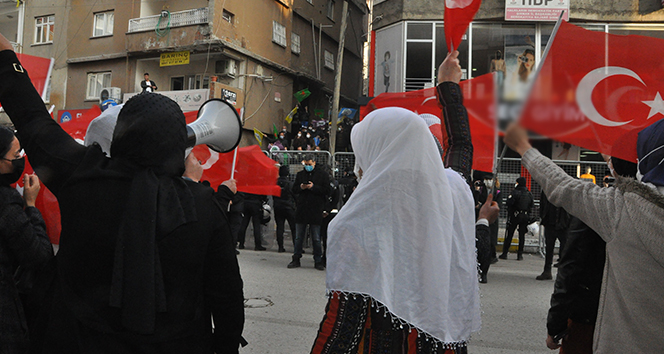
x,y
519,204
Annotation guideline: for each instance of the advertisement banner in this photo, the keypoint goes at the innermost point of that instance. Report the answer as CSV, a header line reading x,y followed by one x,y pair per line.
x,y
189,100
536,10
175,58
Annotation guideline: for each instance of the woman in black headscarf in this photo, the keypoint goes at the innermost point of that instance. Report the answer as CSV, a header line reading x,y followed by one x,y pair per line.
x,y
23,240
146,258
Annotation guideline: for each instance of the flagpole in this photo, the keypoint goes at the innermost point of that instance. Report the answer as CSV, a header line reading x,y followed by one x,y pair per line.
x,y
234,160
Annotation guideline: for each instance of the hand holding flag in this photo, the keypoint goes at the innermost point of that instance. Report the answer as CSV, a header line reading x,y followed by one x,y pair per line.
x,y
458,15
602,95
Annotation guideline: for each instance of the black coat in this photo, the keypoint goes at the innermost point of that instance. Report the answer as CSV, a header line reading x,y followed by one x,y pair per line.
x,y
286,200
200,271
23,242
311,202
579,279
553,216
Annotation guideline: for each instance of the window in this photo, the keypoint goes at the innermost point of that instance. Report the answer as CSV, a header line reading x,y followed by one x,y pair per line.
x,y
227,16
103,24
329,60
295,43
96,82
44,29
279,33
330,9
177,83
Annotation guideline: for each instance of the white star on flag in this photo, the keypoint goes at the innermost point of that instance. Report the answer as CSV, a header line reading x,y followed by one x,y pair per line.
x,y
656,105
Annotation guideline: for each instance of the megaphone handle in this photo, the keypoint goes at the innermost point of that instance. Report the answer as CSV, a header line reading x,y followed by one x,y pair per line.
x,y
234,160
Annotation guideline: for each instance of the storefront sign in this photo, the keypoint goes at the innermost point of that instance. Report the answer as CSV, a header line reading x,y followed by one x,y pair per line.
x,y
536,10
229,96
175,58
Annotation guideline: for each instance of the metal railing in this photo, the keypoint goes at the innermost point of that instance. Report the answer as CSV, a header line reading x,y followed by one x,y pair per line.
x,y
293,159
177,19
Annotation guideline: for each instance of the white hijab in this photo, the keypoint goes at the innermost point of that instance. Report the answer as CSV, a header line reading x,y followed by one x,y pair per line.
x,y
406,237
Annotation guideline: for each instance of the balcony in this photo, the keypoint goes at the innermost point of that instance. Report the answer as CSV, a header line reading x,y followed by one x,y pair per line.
x,y
177,19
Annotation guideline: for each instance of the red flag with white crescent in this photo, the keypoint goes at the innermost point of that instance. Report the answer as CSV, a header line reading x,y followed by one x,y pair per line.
x,y
479,100
597,90
458,15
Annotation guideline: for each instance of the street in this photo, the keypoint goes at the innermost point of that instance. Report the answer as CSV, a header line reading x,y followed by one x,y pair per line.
x,y
285,306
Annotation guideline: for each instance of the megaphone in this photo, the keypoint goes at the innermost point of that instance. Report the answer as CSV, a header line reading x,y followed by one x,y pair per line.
x,y
218,126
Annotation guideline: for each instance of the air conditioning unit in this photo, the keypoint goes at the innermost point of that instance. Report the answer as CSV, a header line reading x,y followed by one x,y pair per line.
x,y
110,93
226,67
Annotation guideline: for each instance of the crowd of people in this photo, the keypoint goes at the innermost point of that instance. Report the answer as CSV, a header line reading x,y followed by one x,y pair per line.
x,y
309,133
148,252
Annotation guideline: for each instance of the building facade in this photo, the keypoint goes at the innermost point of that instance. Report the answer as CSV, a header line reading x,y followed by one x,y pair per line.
x,y
254,53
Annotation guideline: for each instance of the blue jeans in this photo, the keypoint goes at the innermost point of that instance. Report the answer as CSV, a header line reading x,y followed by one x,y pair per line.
x,y
300,232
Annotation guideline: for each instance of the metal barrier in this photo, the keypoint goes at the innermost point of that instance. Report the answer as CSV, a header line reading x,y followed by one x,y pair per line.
x,y
511,169
343,162
293,159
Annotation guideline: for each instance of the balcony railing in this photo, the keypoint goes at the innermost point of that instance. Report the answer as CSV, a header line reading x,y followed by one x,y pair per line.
x,y
177,19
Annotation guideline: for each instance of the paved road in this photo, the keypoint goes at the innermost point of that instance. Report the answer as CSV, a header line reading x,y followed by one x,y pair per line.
x,y
285,306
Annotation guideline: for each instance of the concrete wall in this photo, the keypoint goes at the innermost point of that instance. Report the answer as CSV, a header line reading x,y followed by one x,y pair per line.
x,y
78,77
580,10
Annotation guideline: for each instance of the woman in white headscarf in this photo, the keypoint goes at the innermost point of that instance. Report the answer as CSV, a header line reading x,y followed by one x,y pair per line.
x,y
401,269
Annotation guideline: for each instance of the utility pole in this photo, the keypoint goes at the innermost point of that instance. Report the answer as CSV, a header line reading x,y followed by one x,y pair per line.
x,y
337,80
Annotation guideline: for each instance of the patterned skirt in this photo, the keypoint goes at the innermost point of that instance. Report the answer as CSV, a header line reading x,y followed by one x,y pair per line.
x,y
356,324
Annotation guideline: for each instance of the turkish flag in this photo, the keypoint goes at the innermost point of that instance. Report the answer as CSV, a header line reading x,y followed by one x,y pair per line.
x,y
458,15
39,70
254,171
597,90
479,100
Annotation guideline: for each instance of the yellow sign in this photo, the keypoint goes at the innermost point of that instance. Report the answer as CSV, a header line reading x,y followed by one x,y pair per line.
x,y
175,58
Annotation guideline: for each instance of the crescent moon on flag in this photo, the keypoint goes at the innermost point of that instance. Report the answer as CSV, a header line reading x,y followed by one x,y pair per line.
x,y
585,90
457,4
214,157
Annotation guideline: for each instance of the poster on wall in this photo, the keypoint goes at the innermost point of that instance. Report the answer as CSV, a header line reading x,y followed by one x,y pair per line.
x,y
520,66
389,50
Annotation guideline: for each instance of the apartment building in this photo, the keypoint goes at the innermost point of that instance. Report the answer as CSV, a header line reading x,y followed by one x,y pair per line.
x,y
254,53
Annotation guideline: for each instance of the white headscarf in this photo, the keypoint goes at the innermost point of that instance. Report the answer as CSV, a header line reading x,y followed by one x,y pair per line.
x,y
406,237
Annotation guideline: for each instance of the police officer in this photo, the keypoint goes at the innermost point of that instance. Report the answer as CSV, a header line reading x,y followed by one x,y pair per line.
x,y
519,204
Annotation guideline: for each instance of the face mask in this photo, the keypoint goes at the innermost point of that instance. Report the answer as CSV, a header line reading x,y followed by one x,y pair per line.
x,y
299,135
9,178
281,136
308,168
283,130
308,136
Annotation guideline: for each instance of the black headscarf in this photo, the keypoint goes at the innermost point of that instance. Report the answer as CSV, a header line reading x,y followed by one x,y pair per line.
x,y
6,139
150,136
